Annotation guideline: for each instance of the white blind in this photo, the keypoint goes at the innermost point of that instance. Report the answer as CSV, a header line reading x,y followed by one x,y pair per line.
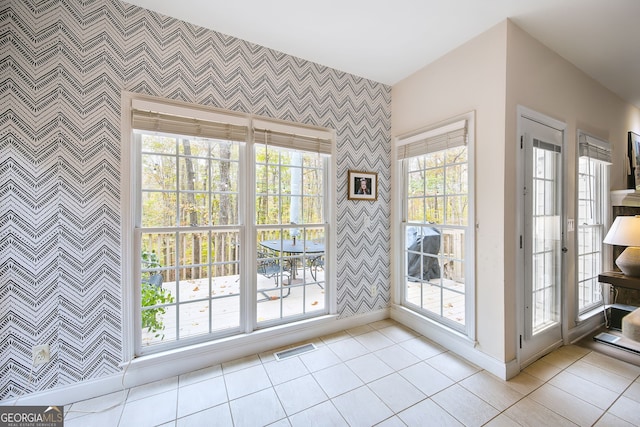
x,y
449,136
595,149
292,137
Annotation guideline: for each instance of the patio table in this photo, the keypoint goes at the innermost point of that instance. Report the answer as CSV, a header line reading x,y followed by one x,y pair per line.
x,y
289,247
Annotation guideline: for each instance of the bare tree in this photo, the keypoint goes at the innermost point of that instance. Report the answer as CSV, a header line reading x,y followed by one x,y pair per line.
x,y
191,210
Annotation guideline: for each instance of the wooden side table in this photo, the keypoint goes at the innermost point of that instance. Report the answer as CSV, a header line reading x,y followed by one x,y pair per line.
x,y
618,280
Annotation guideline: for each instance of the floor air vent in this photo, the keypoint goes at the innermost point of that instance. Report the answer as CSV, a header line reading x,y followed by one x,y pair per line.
x,y
296,351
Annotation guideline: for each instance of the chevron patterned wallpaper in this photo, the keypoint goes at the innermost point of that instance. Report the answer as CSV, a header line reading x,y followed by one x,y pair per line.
x,y
63,66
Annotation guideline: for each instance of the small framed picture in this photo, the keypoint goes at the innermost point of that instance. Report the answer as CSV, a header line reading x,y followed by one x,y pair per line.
x,y
363,185
634,157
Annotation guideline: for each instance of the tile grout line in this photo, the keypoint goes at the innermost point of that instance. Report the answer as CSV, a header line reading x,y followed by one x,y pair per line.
x,y
262,361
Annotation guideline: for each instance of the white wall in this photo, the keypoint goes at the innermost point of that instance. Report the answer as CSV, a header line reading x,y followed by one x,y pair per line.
x,y
542,80
470,78
493,74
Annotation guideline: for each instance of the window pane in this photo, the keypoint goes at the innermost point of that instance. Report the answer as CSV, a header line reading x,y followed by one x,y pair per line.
x,y
290,273
194,319
313,182
194,209
457,155
435,160
453,247
435,209
157,144
183,272
434,181
224,150
194,252
289,194
457,179
590,232
312,209
290,270
158,172
224,209
225,312
157,324
416,184
159,209
457,210
194,174
437,193
415,210
196,147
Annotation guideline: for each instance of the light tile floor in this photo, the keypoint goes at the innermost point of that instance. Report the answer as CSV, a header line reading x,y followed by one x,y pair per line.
x,y
379,374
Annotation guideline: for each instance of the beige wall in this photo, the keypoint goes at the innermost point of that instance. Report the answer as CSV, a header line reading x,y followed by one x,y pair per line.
x,y
470,78
491,75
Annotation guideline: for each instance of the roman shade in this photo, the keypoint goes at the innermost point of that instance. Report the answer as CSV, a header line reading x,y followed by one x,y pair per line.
x,y
448,136
154,117
292,137
595,149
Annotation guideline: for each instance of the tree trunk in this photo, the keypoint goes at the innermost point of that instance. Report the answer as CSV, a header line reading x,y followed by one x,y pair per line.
x,y
226,214
191,207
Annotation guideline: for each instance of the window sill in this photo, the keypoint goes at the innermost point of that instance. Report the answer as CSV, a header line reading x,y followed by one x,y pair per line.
x,y
157,366
587,315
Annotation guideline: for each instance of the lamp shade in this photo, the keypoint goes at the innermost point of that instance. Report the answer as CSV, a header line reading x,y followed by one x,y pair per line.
x,y
625,231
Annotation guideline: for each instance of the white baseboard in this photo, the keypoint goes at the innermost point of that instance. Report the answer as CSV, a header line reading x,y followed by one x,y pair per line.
x,y
165,365
455,342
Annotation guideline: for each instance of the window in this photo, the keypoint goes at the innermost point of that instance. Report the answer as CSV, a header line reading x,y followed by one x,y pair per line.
x,y
290,221
201,272
437,224
593,184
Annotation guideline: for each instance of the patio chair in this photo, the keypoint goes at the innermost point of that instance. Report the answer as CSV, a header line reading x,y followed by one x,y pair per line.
x,y
154,280
269,267
315,263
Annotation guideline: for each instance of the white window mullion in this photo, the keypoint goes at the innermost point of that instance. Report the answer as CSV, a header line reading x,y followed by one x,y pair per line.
x,y
248,279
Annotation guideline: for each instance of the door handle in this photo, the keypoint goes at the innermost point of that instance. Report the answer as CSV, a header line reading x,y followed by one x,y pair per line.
x,y
564,250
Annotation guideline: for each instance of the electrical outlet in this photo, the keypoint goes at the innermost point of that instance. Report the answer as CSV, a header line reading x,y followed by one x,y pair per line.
x,y
40,354
374,290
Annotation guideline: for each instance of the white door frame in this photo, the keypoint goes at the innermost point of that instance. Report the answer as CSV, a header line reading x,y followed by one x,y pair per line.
x,y
526,113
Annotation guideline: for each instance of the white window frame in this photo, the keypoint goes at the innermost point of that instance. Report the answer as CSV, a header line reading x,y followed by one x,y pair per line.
x,y
286,227
598,153
130,189
469,328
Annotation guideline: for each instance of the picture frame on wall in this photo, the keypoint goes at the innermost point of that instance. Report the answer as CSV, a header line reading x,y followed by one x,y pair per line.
x,y
633,145
362,185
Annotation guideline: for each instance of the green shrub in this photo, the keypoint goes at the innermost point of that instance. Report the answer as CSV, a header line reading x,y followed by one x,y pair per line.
x,y
153,295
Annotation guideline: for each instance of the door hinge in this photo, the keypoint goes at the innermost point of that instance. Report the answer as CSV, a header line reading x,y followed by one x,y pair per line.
x,y
520,341
521,241
521,141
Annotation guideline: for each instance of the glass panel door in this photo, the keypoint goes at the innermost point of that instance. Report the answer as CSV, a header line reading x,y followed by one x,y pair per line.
x,y
542,241
545,236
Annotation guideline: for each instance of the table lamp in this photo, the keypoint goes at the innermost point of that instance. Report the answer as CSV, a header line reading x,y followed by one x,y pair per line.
x,y
625,231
